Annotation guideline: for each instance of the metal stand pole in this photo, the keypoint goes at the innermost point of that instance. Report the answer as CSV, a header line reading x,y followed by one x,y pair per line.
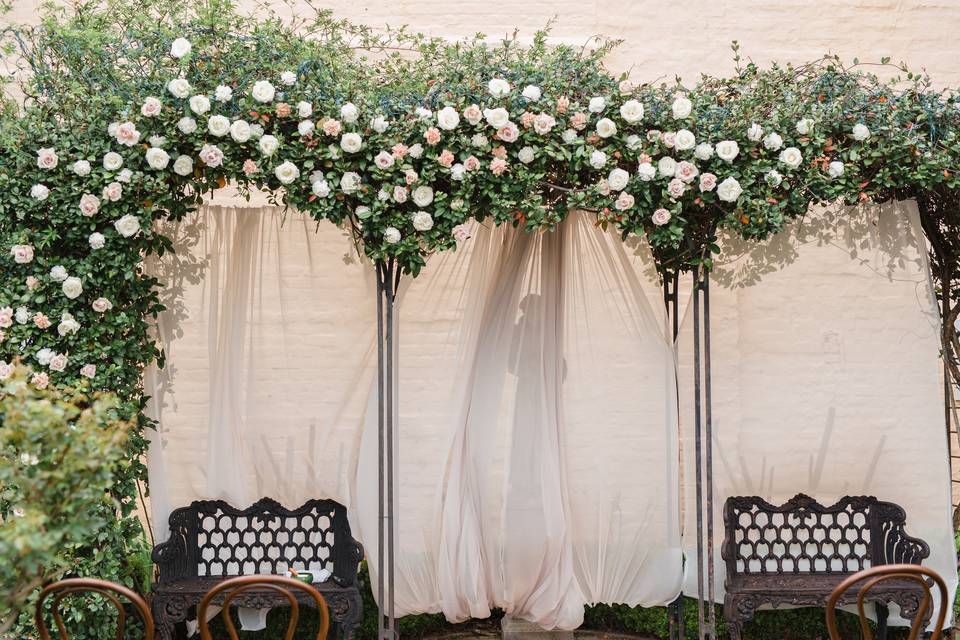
x,y
671,300
703,424
387,280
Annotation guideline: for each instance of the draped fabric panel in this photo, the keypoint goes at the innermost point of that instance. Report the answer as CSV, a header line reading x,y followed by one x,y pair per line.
x,y
826,374
534,382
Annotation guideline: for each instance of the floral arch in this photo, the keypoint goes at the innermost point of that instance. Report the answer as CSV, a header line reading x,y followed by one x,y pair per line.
x,y
401,140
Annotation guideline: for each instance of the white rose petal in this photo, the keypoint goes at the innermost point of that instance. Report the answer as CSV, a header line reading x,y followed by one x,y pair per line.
x,y
81,168
39,192
597,104
598,159
218,125
180,48
127,226
631,111
157,158
772,141
223,93
200,104
263,91
754,132
836,168
288,78
860,132
268,145
532,93
183,165
72,287
349,113
498,88
606,128
391,235
681,108
791,157
187,125
351,142
646,171
286,172
422,196
684,140
526,155
727,150
240,131
96,240
422,221
448,118
729,190
618,179
179,87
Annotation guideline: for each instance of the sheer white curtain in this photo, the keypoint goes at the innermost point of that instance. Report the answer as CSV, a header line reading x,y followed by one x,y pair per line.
x,y
826,375
537,430
537,433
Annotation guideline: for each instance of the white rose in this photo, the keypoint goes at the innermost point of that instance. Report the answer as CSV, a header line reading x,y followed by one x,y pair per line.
x,y
351,142
157,158
127,226
112,161
39,192
448,118
681,107
380,124
791,157
646,171
422,221
631,111
568,136
836,168
183,165
321,188
773,141
496,118
96,240
804,126
158,141
458,172
860,132
200,104
727,150
223,93
304,109
532,93
59,273
597,104
23,315
754,133
384,160
263,91
124,176
68,325
606,128
424,114
729,190
773,178
598,159
187,125
268,145
256,131
704,151
634,142
498,88
349,182
666,167
391,235
422,196
180,47
288,78
415,150
684,140
218,125
526,155
179,87
349,113
286,172
72,287
44,356
81,168
618,179
47,158
240,130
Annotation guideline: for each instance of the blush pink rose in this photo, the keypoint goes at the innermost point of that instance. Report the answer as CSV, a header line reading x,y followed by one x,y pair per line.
x,y
508,132
41,320
432,135
88,370
471,163
669,139
604,187
211,155
526,119
624,201
544,123
676,188
708,182
151,108
89,204
40,380
249,167
411,176
332,127
127,134
101,305
400,194
686,171
445,158
32,283
58,362
6,316
283,109
563,103
399,150
660,217
578,120
499,152
47,158
22,253
473,114
461,232
644,157
498,166
112,191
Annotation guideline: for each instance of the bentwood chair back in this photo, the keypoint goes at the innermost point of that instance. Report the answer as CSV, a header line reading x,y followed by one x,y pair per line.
x,y
925,579
110,591
278,585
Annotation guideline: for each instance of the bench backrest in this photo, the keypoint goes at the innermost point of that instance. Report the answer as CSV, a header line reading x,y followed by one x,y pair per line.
x,y
217,539
803,536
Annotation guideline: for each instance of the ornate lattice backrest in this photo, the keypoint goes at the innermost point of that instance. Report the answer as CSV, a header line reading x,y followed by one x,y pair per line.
x,y
803,536
212,538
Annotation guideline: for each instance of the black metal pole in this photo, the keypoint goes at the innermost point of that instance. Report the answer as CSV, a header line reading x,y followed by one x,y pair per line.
x,y
708,414
671,301
698,449
391,502
381,560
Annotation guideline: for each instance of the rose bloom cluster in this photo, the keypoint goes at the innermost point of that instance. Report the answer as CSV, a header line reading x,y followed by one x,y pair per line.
x,y
405,184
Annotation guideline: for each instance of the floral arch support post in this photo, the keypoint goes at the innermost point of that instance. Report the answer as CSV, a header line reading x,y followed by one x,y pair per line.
x,y
124,126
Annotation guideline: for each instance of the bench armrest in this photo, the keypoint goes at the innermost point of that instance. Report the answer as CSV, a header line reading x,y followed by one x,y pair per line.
x,y
171,558
901,548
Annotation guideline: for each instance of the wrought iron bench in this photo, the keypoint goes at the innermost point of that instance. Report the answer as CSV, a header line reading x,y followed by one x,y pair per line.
x,y
798,552
211,541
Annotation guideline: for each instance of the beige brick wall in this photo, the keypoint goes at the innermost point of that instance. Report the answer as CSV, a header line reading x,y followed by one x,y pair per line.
x,y
665,37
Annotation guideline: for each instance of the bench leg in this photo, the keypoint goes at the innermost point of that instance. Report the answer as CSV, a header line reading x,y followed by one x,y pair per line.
x,y
736,630
882,613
